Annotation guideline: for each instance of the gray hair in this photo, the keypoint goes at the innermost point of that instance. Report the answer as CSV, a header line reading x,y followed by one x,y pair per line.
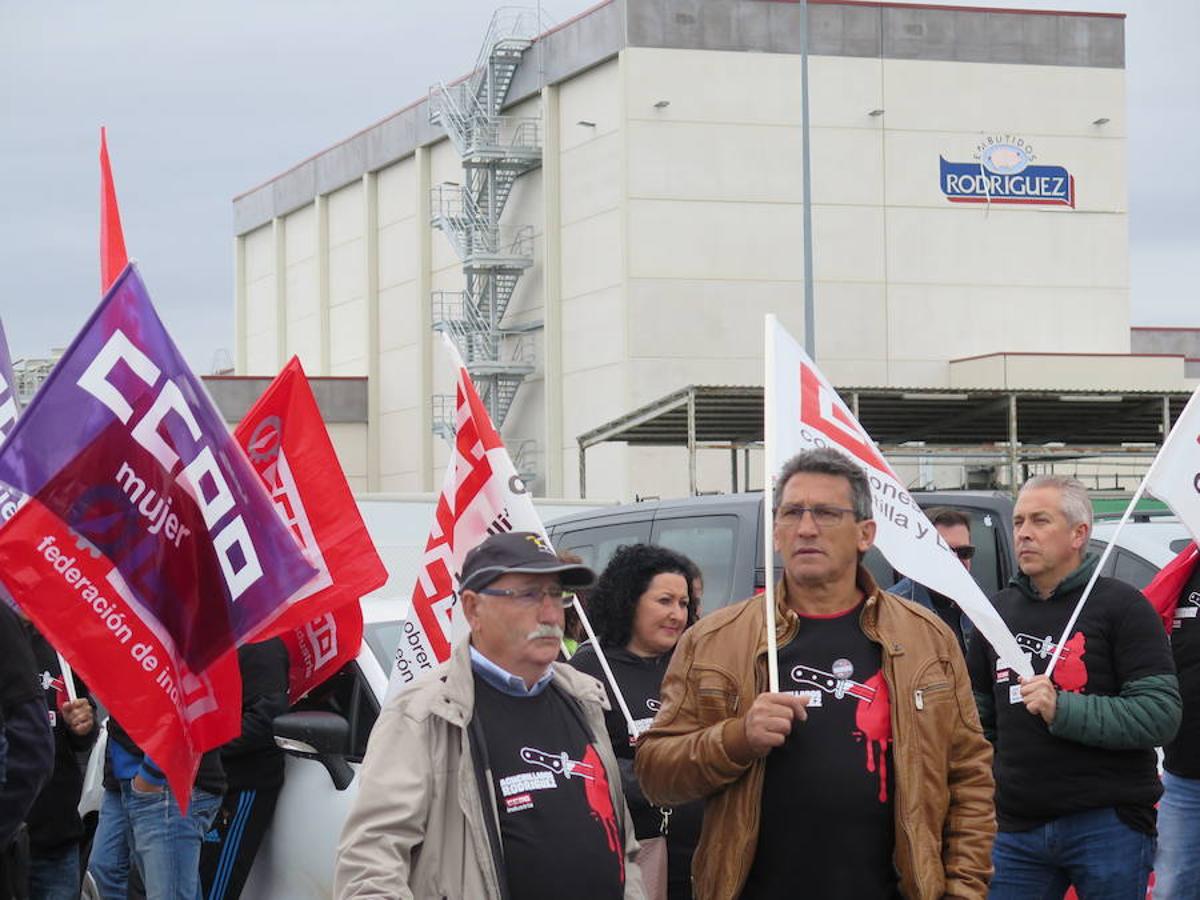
x,y
1075,503
824,461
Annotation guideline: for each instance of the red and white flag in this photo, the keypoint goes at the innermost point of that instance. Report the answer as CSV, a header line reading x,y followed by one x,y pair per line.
x,y
804,412
481,495
287,443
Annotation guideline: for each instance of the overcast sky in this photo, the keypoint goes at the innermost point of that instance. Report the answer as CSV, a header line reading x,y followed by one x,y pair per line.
x,y
205,100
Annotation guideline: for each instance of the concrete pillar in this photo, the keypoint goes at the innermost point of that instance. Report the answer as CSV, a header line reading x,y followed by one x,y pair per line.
x,y
278,232
552,352
321,215
371,261
239,305
424,438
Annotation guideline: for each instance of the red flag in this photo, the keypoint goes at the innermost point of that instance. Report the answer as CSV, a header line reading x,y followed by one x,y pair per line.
x,y
1163,592
112,241
287,443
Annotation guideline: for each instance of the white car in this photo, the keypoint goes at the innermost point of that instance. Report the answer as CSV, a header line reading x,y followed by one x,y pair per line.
x,y
1144,546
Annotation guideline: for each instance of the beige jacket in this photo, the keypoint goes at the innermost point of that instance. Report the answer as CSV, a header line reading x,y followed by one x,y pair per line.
x,y
945,819
416,828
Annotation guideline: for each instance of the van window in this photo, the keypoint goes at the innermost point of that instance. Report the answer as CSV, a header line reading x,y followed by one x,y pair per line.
x,y
596,546
987,566
1132,569
711,543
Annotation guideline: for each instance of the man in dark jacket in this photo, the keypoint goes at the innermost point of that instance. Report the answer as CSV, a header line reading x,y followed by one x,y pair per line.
x,y
1076,777
254,770
954,526
28,749
55,829
140,821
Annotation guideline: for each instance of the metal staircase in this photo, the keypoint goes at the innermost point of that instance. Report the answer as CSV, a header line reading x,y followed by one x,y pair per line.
x,y
496,150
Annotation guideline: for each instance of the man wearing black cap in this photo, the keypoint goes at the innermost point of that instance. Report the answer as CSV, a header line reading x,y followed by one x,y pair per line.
x,y
493,777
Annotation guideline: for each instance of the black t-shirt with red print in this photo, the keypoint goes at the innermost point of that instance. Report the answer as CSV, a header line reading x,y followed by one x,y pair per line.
x,y
828,791
1182,755
560,834
1117,639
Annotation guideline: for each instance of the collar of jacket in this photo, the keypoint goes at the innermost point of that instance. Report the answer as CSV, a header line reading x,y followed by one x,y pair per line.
x,y
1074,581
456,699
787,623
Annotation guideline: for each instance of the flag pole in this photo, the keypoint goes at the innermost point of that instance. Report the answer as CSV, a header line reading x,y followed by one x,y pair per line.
x,y
68,677
1112,542
769,443
612,681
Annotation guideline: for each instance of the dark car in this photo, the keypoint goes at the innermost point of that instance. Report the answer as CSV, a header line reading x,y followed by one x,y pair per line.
x,y
724,536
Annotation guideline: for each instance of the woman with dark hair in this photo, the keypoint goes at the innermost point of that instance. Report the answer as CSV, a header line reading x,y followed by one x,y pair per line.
x,y
639,608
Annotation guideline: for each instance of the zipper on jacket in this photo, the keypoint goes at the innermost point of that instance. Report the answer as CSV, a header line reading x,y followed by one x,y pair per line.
x,y
919,694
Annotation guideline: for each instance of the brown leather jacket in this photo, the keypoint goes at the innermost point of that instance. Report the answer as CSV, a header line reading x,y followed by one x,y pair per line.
x,y
945,818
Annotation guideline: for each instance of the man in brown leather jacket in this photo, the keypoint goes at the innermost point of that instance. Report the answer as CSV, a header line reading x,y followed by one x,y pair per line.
x,y
868,775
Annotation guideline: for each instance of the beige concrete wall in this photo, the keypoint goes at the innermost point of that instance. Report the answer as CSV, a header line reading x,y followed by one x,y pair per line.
x,y
679,226
1079,372
261,314
595,380
403,214
350,442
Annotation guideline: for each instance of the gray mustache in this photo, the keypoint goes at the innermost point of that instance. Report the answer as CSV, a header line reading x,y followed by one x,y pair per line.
x,y
545,631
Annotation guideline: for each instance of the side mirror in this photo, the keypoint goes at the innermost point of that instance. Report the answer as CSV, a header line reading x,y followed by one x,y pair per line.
x,y
322,736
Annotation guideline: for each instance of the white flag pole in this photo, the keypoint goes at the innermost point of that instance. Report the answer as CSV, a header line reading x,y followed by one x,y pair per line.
x,y
612,681
68,677
1112,542
770,441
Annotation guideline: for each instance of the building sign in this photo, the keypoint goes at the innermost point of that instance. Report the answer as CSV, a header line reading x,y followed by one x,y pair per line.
x,y
1003,171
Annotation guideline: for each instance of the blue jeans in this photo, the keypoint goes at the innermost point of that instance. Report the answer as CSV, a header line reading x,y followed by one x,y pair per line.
x,y
109,862
1095,851
166,844
149,829
1177,864
55,877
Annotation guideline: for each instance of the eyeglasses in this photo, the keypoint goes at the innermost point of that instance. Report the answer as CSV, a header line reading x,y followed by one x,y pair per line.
x,y
965,552
532,595
824,516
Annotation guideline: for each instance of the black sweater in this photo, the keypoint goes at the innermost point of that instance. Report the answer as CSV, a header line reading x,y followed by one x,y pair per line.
x,y
252,760
54,820
1118,699
27,752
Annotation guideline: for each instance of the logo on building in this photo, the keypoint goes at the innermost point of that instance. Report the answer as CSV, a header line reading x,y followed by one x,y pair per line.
x,y
1004,171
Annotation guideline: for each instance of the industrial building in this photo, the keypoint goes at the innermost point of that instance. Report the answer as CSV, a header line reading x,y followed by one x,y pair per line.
x,y
600,212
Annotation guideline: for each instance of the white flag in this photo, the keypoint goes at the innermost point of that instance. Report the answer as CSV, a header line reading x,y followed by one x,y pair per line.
x,y
1174,476
481,495
807,413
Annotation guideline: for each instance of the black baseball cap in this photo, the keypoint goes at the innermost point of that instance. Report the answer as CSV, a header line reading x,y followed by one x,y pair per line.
x,y
520,552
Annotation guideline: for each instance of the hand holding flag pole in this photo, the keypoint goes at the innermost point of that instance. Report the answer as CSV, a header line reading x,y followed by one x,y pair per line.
x,y
1175,465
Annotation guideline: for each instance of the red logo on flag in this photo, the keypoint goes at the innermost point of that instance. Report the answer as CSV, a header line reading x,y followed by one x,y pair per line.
x,y
820,409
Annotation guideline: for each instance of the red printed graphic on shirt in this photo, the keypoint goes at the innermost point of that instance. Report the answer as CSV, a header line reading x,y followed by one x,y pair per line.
x,y
1071,674
874,721
599,801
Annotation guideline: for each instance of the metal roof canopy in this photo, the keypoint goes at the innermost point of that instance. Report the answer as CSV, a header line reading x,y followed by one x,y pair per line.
x,y
1015,425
